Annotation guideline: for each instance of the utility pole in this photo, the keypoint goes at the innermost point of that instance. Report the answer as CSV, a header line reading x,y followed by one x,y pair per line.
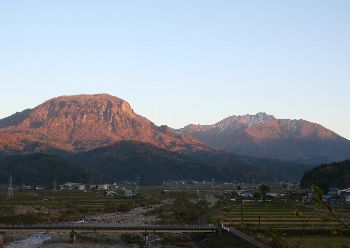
x,y
242,215
54,186
138,179
10,189
213,184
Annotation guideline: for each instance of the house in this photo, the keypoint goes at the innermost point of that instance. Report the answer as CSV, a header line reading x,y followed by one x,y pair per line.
x,y
334,191
114,186
103,186
246,195
80,187
73,186
272,195
129,192
329,198
346,198
26,187
111,192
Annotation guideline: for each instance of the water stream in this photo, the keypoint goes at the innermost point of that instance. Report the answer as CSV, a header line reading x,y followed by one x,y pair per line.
x,y
32,241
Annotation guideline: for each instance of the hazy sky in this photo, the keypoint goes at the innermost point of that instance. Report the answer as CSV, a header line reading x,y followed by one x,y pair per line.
x,y
182,61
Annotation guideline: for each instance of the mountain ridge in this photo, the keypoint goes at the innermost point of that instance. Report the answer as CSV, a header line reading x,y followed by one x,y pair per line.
x,y
263,135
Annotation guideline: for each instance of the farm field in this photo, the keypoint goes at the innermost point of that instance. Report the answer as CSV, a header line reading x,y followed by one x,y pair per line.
x,y
280,216
41,206
318,242
293,225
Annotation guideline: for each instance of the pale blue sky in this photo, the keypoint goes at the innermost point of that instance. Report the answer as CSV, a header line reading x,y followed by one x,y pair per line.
x,y
182,61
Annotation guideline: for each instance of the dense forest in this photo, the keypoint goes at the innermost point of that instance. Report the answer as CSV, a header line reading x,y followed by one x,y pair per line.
x,y
42,169
126,159
328,175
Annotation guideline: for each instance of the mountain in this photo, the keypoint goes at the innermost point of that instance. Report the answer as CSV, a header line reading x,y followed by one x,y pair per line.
x,y
43,169
263,135
125,159
104,135
84,122
328,175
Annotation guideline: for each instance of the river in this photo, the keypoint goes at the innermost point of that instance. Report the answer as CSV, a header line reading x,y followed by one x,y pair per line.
x,y
32,241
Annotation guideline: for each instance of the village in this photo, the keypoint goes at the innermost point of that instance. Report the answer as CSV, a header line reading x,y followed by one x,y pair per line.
x,y
127,189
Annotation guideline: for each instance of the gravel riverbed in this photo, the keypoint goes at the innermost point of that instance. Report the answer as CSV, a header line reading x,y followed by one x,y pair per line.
x,y
135,216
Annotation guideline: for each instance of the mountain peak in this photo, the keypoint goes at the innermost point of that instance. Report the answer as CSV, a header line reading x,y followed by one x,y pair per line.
x,y
236,122
83,122
99,96
263,135
104,102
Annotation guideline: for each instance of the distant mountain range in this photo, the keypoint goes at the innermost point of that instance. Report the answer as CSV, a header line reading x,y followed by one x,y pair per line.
x,y
126,159
102,135
263,135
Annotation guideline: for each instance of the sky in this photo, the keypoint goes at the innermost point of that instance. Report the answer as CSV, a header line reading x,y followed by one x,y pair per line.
x,y
182,61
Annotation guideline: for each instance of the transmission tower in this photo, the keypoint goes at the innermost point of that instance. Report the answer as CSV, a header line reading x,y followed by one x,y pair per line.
x,y
10,189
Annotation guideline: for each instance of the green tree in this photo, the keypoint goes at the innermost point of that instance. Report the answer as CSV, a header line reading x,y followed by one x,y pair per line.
x,y
263,190
256,195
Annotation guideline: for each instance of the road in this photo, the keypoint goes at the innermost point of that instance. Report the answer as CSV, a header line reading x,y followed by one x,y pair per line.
x,y
245,237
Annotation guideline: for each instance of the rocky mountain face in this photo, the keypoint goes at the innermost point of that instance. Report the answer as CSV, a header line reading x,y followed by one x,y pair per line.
x,y
84,122
263,135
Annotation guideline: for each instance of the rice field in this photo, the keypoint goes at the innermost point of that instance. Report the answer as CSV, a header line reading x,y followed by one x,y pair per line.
x,y
280,216
318,242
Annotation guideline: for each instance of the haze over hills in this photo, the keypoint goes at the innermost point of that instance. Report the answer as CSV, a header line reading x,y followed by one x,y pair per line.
x,y
84,122
263,135
125,159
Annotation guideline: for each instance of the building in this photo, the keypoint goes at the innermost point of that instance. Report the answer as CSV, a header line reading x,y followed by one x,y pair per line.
x,y
26,187
333,191
272,195
246,195
129,192
73,186
346,198
103,186
111,192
